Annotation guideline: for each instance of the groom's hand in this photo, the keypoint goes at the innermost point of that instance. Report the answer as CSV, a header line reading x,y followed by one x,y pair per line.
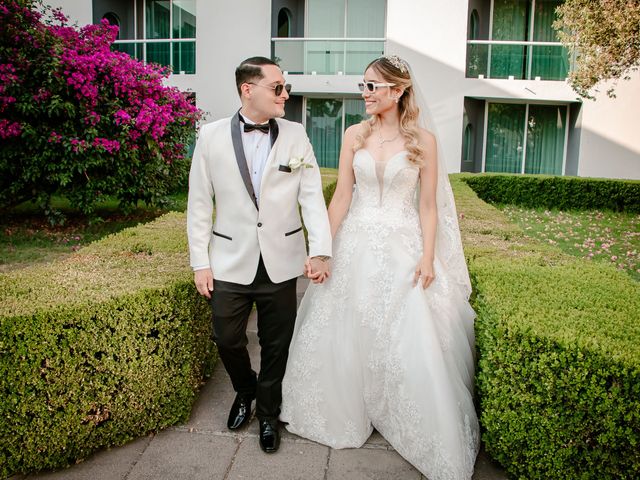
x,y
204,281
317,269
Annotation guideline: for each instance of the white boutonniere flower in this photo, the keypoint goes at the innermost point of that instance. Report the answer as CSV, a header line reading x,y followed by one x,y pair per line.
x,y
297,162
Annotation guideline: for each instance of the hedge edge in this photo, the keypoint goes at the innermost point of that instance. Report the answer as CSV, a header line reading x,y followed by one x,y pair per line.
x,y
81,377
558,376
554,192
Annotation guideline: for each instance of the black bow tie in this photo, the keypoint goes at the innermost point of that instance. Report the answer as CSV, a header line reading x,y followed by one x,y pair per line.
x,y
250,127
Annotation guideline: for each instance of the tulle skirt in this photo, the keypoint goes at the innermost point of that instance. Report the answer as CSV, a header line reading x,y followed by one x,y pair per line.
x,y
370,350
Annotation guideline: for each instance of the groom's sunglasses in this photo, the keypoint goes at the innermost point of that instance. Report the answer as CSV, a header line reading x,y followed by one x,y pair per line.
x,y
370,87
276,89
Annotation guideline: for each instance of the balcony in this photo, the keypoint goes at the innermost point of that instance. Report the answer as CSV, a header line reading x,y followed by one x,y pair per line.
x,y
326,56
179,54
519,60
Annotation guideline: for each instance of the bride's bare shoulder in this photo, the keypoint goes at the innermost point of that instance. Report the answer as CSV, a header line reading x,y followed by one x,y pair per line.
x,y
429,146
354,130
352,133
427,138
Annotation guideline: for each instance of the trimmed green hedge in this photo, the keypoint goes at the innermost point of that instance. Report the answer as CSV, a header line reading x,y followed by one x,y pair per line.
x,y
564,193
558,375
100,348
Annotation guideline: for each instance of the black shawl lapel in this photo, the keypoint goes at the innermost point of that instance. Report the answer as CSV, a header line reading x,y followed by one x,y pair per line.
x,y
236,138
273,130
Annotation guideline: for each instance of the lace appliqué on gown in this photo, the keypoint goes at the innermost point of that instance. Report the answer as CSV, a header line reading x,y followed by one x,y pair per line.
x,y
370,350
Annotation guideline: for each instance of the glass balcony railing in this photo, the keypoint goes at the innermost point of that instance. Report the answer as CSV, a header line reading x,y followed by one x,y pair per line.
x,y
326,56
520,60
179,54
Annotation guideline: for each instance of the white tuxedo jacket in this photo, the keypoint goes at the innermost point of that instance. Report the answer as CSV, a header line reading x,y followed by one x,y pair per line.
x,y
231,245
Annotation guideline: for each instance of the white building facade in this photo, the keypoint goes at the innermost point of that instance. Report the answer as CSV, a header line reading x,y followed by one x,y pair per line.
x,y
492,72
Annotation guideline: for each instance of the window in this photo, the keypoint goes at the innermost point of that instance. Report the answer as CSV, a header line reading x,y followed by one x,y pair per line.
x,y
326,120
474,25
545,139
172,20
163,32
467,146
522,22
284,23
347,19
332,24
527,138
505,138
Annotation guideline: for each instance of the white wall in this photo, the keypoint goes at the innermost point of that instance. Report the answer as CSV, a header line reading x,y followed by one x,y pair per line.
x,y
325,86
531,91
430,36
80,11
610,136
226,33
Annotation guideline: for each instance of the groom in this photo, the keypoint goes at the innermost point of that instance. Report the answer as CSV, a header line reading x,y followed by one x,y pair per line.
x,y
259,168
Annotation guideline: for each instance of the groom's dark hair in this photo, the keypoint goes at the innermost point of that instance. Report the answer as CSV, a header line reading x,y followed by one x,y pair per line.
x,y
251,69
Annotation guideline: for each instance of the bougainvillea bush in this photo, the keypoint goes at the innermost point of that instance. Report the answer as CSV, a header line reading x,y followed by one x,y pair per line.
x,y
82,121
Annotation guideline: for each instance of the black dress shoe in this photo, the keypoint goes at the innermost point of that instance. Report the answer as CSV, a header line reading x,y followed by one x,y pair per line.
x,y
240,412
269,436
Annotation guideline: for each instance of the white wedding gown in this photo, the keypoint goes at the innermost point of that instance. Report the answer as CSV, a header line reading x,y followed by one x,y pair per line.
x,y
371,350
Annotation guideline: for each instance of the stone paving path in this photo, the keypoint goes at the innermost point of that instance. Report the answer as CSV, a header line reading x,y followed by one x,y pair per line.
x,y
203,448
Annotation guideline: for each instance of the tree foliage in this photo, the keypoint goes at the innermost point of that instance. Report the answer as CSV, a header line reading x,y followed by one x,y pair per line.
x,y
80,120
604,37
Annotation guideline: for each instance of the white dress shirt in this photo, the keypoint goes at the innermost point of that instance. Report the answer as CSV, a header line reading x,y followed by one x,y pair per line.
x,y
257,146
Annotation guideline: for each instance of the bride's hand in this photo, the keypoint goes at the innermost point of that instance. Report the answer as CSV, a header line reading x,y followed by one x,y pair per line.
x,y
424,272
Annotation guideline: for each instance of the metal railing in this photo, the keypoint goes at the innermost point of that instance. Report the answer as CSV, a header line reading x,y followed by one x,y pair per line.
x,y
179,53
326,56
517,59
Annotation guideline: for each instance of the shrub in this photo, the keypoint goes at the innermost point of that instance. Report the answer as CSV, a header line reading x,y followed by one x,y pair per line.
x,y
558,339
81,121
328,192
564,193
559,369
99,348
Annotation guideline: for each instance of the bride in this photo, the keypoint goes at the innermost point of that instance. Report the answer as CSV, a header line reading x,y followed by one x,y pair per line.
x,y
387,341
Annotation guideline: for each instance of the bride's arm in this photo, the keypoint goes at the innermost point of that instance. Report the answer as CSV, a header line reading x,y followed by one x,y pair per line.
x,y
427,208
344,188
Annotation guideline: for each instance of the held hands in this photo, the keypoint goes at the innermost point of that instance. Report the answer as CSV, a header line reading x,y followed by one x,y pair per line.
x,y
316,269
204,282
424,273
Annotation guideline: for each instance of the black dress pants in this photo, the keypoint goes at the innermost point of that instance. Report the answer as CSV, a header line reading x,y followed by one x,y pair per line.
x,y
276,304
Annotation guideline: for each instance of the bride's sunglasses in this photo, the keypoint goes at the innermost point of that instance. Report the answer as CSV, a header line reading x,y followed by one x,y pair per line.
x,y
370,87
277,89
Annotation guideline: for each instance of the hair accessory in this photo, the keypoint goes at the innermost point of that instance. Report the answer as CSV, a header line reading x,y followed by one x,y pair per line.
x,y
397,62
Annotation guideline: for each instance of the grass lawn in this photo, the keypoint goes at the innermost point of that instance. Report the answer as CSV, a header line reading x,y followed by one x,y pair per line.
x,y
611,237
27,237
328,175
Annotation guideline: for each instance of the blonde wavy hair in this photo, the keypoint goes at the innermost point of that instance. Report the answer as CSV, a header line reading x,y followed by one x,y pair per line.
x,y
395,70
